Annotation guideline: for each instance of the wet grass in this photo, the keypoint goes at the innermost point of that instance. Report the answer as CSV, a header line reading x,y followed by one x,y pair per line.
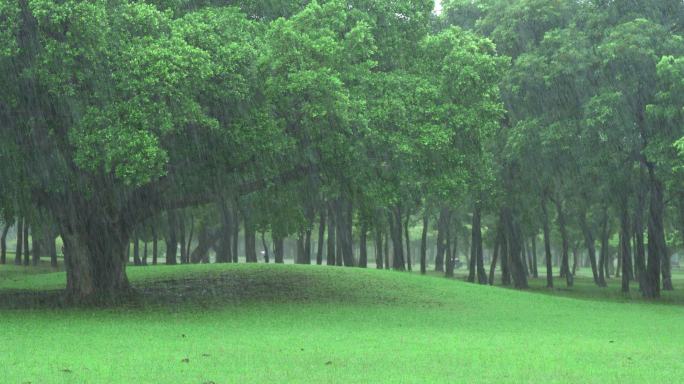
x,y
308,324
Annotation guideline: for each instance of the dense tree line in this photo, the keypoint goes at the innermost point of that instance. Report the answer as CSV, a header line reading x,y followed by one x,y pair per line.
x,y
339,126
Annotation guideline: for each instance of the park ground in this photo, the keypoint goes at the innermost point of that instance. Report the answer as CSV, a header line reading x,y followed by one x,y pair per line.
x,y
309,324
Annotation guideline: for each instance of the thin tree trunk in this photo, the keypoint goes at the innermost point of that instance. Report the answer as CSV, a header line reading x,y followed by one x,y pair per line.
x,y
363,246
565,257
279,249
172,238
603,256
136,250
266,252
547,243
20,241
442,226
395,222
625,248
378,247
321,237
409,262
27,250
658,258
492,268
535,270
155,244
423,243
591,246
3,242
332,241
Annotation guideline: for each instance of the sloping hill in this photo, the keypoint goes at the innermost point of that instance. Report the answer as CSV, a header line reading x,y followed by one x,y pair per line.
x,y
261,323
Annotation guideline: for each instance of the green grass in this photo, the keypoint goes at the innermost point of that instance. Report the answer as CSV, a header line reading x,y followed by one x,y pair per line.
x,y
308,324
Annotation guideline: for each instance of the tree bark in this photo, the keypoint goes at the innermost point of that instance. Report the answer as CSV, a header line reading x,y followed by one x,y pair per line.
x,y
3,242
591,246
279,249
495,257
625,248
378,247
515,251
658,257
395,223
603,256
565,256
409,262
321,237
332,241
363,246
423,243
171,238
442,226
136,250
27,250
155,244
547,243
184,259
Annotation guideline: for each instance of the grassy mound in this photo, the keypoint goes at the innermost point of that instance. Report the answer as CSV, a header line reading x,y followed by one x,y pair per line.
x,y
308,324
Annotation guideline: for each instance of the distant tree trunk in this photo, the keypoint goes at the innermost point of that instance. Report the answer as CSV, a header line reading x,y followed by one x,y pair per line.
x,y
423,243
387,253
565,257
171,238
321,237
378,247
37,240
250,240
515,250
155,245
332,241
575,258
278,249
625,248
591,246
224,251
144,258
3,242
20,241
182,239
52,247
526,267
409,262
504,252
363,246
535,260
442,227
205,241
136,250
639,248
235,215
299,258
495,257
266,252
27,250
476,254
307,246
189,244
395,223
603,256
658,257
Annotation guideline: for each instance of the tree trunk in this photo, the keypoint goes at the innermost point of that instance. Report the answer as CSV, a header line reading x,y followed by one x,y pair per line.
x,y
27,250
603,256
184,259
442,227
20,241
136,250
547,243
171,238
625,248
144,258
423,243
515,251
225,249
657,249
235,215
363,246
639,247
321,237
95,262
409,262
52,248
332,241
387,252
266,251
278,249
378,247
565,256
535,268
155,244
3,242
492,268
591,246
395,223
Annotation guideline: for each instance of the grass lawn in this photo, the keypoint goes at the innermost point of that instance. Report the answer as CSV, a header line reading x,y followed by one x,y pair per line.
x,y
308,324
